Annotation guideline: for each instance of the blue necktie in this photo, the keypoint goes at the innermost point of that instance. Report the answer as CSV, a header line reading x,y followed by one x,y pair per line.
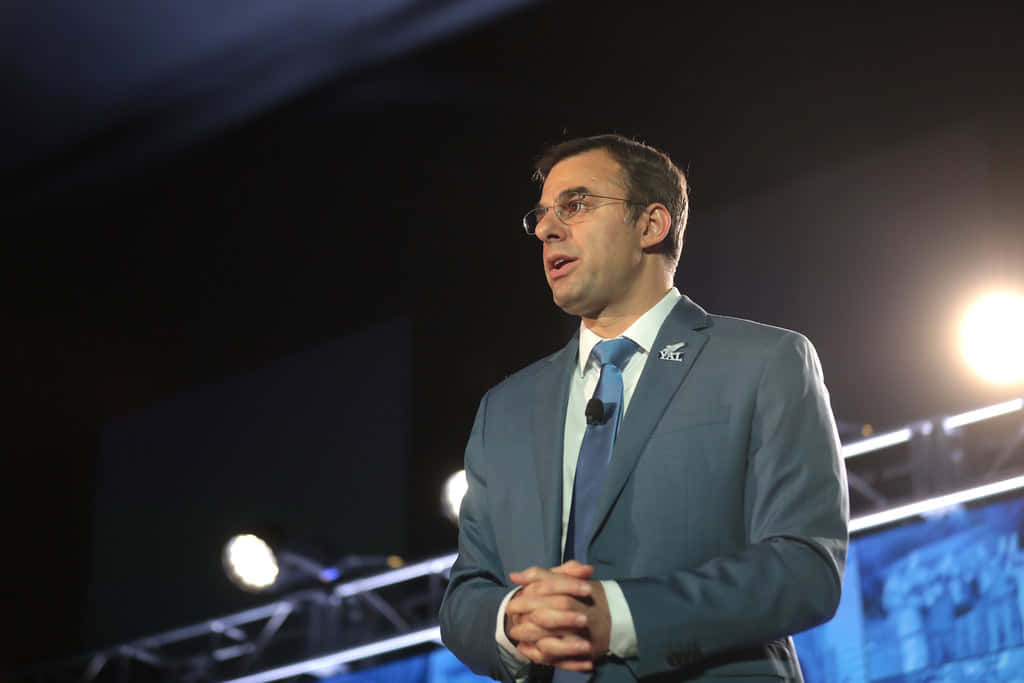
x,y
595,452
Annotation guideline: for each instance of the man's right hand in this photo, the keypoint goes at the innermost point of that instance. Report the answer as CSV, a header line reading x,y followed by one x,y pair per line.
x,y
546,617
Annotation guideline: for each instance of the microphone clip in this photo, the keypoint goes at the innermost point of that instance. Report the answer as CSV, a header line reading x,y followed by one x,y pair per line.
x,y
595,412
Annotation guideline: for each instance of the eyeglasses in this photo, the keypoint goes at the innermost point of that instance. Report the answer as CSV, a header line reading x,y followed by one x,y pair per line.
x,y
569,209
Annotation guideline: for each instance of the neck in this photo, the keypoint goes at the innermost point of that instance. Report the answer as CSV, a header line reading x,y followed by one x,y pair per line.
x,y
610,323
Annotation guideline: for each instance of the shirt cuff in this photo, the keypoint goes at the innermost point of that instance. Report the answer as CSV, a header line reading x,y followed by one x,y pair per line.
x,y
515,661
622,640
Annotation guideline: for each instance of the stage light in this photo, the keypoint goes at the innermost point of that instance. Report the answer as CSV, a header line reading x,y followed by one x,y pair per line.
x,y
454,491
250,563
993,338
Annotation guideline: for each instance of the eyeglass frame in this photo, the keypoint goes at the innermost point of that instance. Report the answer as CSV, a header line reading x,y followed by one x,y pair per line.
x,y
579,196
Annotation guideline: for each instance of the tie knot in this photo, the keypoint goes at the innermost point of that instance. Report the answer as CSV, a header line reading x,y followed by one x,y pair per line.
x,y
614,351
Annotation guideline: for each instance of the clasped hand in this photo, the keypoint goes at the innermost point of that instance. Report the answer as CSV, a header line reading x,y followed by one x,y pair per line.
x,y
559,617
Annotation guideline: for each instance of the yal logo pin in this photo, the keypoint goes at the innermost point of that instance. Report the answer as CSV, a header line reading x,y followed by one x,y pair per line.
x,y
672,352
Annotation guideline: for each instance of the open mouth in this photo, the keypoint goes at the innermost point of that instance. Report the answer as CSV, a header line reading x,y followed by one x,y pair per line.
x,y
560,264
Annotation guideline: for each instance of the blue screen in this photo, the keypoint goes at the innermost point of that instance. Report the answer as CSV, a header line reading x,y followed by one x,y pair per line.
x,y
937,600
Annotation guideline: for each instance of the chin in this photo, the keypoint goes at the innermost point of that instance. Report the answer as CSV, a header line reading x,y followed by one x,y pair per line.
x,y
571,300
566,306
571,307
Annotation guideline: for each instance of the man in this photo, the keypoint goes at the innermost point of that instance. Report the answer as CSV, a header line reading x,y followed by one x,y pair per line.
x,y
672,513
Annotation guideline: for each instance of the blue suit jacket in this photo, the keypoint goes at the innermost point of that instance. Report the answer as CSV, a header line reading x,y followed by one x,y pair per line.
x,y
723,516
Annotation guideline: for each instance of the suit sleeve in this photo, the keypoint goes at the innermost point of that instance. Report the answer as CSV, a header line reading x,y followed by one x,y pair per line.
x,y
788,576
477,586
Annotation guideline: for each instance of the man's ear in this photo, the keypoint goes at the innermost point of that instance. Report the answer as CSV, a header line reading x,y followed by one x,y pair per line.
x,y
655,223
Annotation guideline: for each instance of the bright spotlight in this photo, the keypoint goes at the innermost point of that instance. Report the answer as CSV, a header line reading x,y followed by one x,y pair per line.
x,y
993,338
454,491
250,563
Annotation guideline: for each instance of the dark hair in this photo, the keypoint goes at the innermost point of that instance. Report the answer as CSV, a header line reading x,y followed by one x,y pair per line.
x,y
648,175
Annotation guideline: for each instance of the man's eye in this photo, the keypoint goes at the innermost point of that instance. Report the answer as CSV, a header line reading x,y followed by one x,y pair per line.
x,y
574,206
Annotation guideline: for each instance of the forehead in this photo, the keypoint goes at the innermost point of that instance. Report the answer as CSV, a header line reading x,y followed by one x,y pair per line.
x,y
594,171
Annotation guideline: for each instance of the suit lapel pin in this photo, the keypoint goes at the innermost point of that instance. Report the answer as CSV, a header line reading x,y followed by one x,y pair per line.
x,y
672,352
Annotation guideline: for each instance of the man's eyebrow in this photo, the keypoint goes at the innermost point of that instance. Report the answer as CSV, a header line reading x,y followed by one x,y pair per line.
x,y
579,189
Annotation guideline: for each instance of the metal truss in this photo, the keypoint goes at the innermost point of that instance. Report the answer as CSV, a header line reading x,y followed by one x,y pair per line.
x,y
319,632
324,631
932,458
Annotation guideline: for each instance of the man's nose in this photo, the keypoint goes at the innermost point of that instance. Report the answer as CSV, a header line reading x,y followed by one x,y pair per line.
x,y
550,228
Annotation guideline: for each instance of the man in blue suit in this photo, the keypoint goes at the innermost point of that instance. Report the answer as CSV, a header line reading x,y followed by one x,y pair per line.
x,y
715,524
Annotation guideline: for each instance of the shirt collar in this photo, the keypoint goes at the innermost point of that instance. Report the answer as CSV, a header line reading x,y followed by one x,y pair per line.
x,y
643,331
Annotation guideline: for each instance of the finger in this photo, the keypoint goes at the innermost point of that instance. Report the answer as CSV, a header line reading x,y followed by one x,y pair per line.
x,y
568,647
538,657
545,582
559,584
534,574
525,603
557,619
533,654
529,632
551,650
571,618
575,569
530,575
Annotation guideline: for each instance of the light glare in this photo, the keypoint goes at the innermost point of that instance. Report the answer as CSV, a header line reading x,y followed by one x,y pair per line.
x,y
454,491
250,562
993,338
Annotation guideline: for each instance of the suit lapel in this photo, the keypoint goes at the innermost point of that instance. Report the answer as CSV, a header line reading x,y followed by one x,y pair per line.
x,y
659,382
549,442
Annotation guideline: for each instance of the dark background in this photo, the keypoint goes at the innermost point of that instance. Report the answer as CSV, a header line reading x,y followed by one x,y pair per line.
x,y
309,452
856,174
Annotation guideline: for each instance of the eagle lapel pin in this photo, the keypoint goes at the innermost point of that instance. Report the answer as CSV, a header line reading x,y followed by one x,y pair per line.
x,y
672,352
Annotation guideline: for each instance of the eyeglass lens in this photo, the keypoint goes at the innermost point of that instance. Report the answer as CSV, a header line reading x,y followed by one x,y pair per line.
x,y
565,208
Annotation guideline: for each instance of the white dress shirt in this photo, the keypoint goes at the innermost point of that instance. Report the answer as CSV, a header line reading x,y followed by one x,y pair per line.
x,y
644,331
